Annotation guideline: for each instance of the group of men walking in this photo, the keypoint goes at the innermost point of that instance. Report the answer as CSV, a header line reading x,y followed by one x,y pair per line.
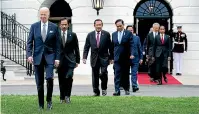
x,y
159,50
123,50
50,46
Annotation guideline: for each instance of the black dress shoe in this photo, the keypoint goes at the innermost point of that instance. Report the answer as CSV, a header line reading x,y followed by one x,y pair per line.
x,y
151,80
177,74
41,108
67,100
116,94
49,106
127,92
159,82
96,94
62,101
166,80
135,89
104,92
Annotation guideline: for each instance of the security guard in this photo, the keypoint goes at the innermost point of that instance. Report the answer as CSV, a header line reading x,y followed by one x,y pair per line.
x,y
180,45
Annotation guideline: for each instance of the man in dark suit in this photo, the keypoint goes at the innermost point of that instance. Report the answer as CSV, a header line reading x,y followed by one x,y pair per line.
x,y
44,37
101,54
136,58
121,43
149,53
161,53
69,60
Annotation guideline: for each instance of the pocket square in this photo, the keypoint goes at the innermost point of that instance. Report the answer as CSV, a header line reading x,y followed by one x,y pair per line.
x,y
51,32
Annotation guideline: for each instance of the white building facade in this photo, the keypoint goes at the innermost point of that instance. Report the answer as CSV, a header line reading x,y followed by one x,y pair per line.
x,y
183,12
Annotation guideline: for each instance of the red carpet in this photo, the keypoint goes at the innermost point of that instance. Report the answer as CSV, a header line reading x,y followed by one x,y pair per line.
x,y
144,79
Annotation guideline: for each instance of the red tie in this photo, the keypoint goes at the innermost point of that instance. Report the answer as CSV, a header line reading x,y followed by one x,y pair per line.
x,y
98,40
162,39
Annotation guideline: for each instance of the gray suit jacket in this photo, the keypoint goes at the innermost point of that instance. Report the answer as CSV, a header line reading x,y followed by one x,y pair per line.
x,y
149,44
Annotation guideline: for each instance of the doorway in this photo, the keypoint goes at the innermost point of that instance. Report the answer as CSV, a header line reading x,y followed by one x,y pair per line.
x,y
148,12
144,26
60,9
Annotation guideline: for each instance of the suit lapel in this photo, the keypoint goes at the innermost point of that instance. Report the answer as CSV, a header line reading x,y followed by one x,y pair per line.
x,y
39,30
101,38
152,36
123,35
61,36
165,38
159,38
116,35
69,37
94,38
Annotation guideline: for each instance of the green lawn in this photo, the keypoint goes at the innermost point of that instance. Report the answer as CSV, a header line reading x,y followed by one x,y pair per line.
x,y
103,105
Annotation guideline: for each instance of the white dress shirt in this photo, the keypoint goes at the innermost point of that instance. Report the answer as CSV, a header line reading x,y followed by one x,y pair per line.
x,y
46,26
155,33
120,35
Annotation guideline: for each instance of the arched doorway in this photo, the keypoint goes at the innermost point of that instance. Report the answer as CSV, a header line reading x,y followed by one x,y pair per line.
x,y
60,9
148,12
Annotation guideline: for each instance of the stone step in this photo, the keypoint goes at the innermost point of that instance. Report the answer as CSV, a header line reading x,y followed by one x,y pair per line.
x,y
16,56
14,67
9,62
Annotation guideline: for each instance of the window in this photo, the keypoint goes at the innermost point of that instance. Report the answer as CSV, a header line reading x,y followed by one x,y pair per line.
x,y
152,8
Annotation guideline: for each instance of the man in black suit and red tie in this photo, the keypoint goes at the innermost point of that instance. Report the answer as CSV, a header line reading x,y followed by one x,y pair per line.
x,y
101,55
161,54
69,60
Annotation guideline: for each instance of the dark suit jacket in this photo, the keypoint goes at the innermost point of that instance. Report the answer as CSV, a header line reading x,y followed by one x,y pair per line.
x,y
144,46
71,50
103,53
50,48
149,43
122,51
136,48
159,48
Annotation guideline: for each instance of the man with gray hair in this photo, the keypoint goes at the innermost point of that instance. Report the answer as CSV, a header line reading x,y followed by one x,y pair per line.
x,y
149,52
43,48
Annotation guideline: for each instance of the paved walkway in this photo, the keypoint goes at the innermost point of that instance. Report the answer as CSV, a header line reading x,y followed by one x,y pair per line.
x,y
161,91
82,76
86,79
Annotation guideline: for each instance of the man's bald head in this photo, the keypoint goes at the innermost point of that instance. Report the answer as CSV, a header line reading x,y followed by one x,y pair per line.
x,y
44,14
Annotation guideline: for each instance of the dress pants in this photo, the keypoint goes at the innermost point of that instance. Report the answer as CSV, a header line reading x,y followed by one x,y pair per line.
x,y
39,77
134,70
125,82
151,68
103,77
178,58
161,67
121,72
65,77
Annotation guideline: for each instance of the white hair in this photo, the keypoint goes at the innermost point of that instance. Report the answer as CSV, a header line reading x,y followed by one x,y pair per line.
x,y
44,8
156,24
